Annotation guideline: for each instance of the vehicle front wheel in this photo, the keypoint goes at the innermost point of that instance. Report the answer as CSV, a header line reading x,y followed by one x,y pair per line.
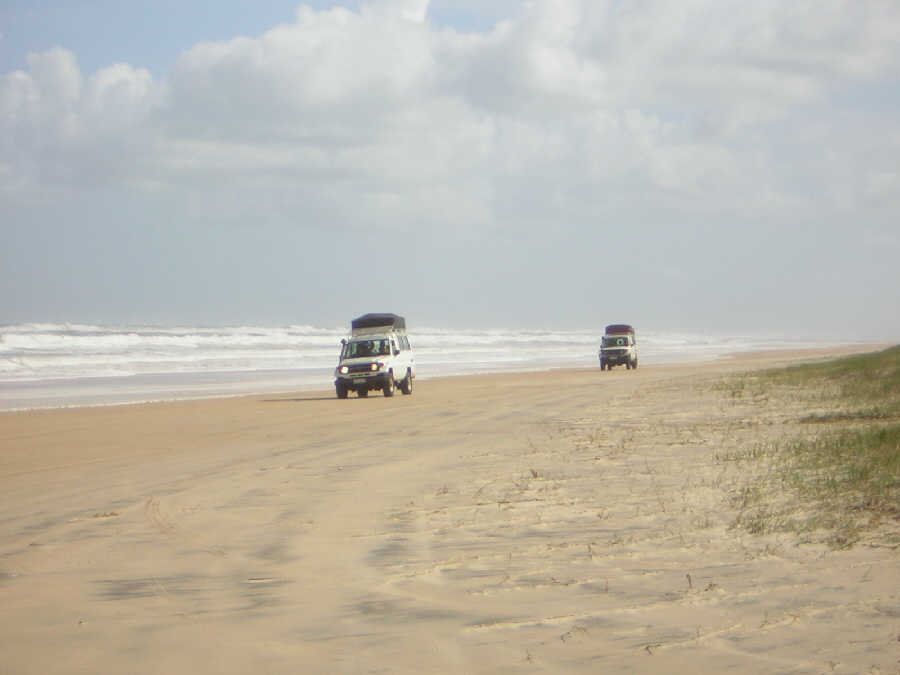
x,y
341,390
634,365
603,365
406,385
362,392
389,385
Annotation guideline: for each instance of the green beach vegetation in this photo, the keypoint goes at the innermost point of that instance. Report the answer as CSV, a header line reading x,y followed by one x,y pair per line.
x,y
837,475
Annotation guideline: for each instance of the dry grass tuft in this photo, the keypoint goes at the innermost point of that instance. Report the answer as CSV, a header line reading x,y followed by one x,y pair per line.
x,y
843,478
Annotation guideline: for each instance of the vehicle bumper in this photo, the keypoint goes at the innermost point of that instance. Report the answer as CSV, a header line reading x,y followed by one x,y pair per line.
x,y
615,358
355,382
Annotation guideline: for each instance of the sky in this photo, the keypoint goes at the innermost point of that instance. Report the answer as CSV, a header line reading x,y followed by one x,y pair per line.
x,y
706,165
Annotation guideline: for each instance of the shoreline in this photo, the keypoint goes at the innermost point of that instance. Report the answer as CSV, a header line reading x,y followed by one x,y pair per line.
x,y
101,391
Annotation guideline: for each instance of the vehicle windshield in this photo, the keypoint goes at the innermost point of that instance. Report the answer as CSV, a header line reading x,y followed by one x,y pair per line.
x,y
615,340
361,348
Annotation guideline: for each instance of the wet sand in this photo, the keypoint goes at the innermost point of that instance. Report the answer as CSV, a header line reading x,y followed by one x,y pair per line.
x,y
566,521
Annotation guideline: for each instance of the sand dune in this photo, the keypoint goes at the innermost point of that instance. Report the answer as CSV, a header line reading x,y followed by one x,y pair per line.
x,y
567,521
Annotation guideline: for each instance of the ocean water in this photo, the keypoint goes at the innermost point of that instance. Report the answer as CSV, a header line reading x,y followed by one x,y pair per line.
x,y
55,365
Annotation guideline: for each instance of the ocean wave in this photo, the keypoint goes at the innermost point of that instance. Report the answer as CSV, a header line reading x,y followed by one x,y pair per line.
x,y
304,355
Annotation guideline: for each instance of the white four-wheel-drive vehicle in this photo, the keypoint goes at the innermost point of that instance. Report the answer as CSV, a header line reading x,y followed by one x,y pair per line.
x,y
376,356
618,347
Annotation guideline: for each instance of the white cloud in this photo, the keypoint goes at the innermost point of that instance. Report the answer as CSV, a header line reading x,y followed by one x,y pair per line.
x,y
409,10
56,76
882,238
883,184
581,107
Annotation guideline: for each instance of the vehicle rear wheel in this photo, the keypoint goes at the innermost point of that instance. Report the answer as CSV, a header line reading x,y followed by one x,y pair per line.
x,y
362,392
406,385
628,365
389,385
634,365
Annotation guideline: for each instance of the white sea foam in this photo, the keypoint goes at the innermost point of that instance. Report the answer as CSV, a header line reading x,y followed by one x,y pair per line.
x,y
75,364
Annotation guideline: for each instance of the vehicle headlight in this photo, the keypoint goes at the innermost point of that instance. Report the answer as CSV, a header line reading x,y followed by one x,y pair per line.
x,y
344,370
377,366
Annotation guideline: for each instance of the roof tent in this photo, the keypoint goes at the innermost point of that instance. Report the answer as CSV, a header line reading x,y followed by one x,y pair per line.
x,y
385,322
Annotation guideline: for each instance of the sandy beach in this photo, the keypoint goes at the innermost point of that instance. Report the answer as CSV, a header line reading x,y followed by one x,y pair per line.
x,y
567,521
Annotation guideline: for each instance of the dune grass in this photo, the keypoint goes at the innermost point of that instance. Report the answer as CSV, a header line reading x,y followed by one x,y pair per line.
x,y
870,380
843,477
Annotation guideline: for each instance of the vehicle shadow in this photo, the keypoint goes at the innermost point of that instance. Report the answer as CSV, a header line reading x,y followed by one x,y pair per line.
x,y
305,399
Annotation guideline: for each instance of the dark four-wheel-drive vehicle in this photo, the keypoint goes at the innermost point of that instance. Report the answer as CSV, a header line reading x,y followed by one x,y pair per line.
x,y
618,347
